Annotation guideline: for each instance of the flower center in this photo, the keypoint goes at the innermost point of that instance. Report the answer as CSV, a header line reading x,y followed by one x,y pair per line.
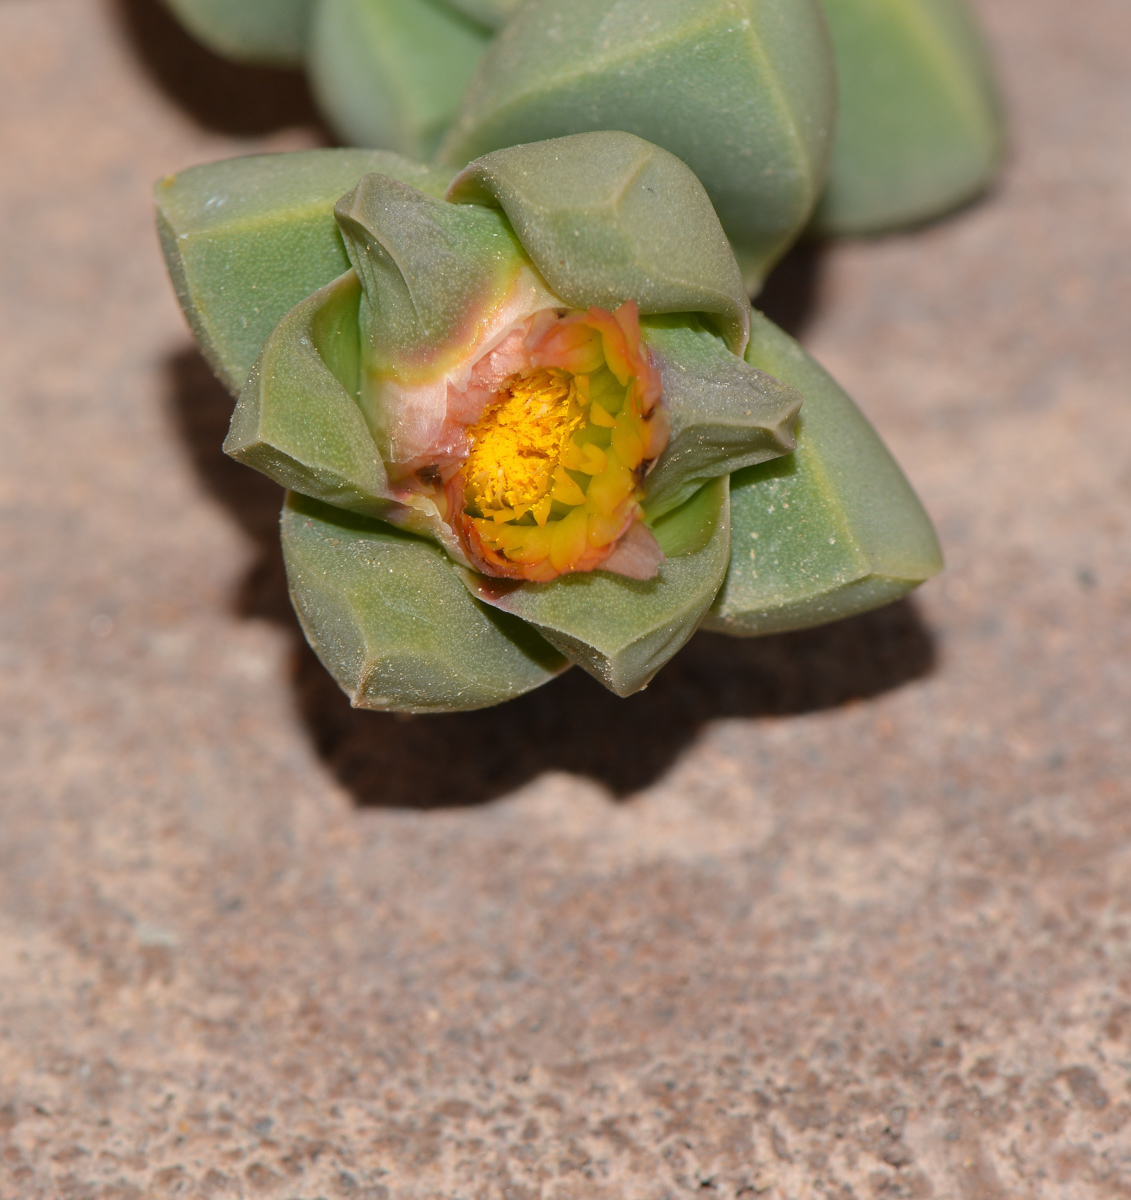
x,y
552,481
518,444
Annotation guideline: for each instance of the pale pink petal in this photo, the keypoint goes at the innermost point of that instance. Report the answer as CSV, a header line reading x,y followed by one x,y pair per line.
x,y
637,555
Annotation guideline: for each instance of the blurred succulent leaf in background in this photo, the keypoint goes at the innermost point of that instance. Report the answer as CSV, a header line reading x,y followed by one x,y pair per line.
x,y
919,127
515,415
747,94
267,32
491,13
390,73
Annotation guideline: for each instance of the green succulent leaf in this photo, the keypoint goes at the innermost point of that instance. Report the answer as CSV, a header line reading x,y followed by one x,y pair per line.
x,y
246,239
725,414
390,73
741,90
607,217
271,32
832,530
429,271
491,13
297,419
622,631
918,120
390,619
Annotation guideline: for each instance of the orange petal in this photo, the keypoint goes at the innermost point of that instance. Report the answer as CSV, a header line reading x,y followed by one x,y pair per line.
x,y
534,547
596,460
628,444
568,540
600,417
656,432
609,489
541,510
565,489
573,457
603,530
570,346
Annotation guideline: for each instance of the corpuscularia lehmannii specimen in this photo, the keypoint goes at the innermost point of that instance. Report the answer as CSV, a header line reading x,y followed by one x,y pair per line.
x,y
526,417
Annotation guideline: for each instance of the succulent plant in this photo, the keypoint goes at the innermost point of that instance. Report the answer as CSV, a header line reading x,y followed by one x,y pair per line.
x,y
743,92
882,110
919,126
526,417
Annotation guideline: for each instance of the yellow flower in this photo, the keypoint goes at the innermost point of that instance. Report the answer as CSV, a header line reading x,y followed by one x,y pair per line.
x,y
561,421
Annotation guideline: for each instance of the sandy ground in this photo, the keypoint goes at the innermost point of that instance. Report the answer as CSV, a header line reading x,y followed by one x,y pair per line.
x,y
838,914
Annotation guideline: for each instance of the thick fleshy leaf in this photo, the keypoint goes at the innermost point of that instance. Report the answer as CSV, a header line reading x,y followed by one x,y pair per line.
x,y
246,239
741,90
391,621
607,217
297,419
390,73
622,631
430,272
724,413
491,13
918,121
437,278
272,32
832,530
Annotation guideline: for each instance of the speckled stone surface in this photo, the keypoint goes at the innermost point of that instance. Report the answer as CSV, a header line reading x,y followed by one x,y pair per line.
x,y
839,914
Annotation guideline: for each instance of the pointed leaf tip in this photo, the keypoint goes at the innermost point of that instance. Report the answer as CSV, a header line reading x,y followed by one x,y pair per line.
x,y
831,530
607,217
622,631
725,414
390,619
246,239
742,91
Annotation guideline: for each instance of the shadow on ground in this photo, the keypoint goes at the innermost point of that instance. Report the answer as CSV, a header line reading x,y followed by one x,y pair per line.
x,y
572,724
227,97
790,295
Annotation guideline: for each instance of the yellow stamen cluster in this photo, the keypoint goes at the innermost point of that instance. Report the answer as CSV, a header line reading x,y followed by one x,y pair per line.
x,y
517,447
552,479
